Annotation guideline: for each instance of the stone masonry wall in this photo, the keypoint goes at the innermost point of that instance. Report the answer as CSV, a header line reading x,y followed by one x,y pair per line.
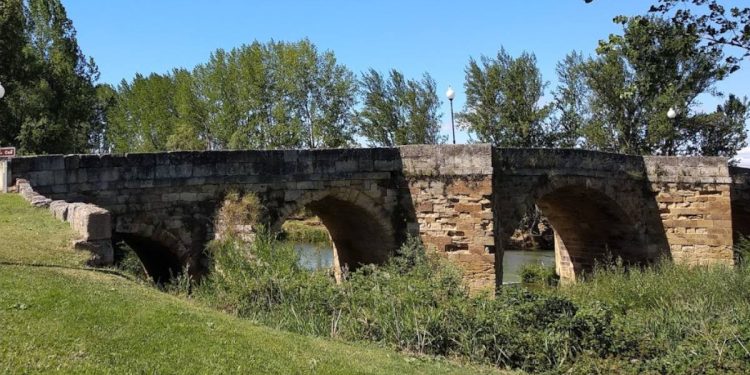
x,y
451,190
694,201
171,198
92,224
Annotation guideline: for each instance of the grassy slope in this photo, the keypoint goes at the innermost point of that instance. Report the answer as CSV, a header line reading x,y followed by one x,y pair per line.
x,y
85,321
30,235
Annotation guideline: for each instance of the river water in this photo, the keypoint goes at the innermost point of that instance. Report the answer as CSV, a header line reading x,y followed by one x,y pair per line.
x,y
315,257
513,260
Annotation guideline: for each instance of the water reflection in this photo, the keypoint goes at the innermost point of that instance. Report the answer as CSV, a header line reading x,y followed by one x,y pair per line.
x,y
513,260
314,257
317,257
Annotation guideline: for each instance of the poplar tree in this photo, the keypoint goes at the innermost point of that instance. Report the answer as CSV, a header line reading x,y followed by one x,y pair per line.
x,y
51,101
398,111
503,101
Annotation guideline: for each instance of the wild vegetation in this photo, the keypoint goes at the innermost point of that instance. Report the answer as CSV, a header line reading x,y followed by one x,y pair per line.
x,y
309,231
59,316
665,319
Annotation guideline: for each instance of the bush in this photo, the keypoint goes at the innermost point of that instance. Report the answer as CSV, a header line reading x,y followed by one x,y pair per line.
x,y
534,273
127,261
742,251
240,215
663,319
416,301
302,232
672,318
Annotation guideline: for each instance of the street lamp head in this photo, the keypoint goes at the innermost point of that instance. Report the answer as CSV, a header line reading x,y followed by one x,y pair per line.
x,y
450,93
671,114
2,91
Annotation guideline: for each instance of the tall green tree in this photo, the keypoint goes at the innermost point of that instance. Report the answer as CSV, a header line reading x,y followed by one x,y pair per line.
x,y
721,133
190,131
18,69
275,95
262,95
398,111
106,98
145,115
51,102
503,101
571,102
636,77
158,112
321,92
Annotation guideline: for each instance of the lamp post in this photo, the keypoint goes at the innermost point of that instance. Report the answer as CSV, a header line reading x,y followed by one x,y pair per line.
x,y
672,113
451,94
672,116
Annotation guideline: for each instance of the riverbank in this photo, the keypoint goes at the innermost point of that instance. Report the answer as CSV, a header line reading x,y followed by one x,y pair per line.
x,y
59,316
665,319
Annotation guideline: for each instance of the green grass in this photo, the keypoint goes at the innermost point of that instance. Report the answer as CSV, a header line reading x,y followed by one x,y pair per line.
x,y
31,235
82,321
306,232
673,318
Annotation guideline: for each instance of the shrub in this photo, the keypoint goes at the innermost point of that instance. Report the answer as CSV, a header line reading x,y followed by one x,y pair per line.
x,y
663,319
300,231
534,273
127,261
416,301
239,215
742,251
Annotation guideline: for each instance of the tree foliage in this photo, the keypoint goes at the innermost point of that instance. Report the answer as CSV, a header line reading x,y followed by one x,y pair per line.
x,y
503,97
145,115
572,107
716,24
719,26
721,133
51,104
268,95
634,80
399,111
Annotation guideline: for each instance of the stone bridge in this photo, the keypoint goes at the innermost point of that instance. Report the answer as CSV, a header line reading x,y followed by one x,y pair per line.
x,y
462,200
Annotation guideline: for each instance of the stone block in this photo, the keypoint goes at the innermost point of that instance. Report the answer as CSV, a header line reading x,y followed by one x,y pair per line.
x,y
91,222
467,207
102,253
42,178
425,207
59,209
41,201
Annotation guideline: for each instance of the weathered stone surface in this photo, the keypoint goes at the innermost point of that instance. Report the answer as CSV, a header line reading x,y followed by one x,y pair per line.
x,y
92,223
59,209
101,250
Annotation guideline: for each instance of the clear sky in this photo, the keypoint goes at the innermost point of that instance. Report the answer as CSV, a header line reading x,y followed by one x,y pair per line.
x,y
143,36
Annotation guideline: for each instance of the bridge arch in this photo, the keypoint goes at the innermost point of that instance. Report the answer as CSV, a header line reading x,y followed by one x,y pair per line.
x,y
167,242
160,252
594,221
361,230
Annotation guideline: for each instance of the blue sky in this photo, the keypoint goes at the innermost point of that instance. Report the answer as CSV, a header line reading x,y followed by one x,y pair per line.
x,y
143,36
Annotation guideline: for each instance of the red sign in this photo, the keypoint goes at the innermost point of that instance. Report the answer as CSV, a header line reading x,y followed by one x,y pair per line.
x,y
7,152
